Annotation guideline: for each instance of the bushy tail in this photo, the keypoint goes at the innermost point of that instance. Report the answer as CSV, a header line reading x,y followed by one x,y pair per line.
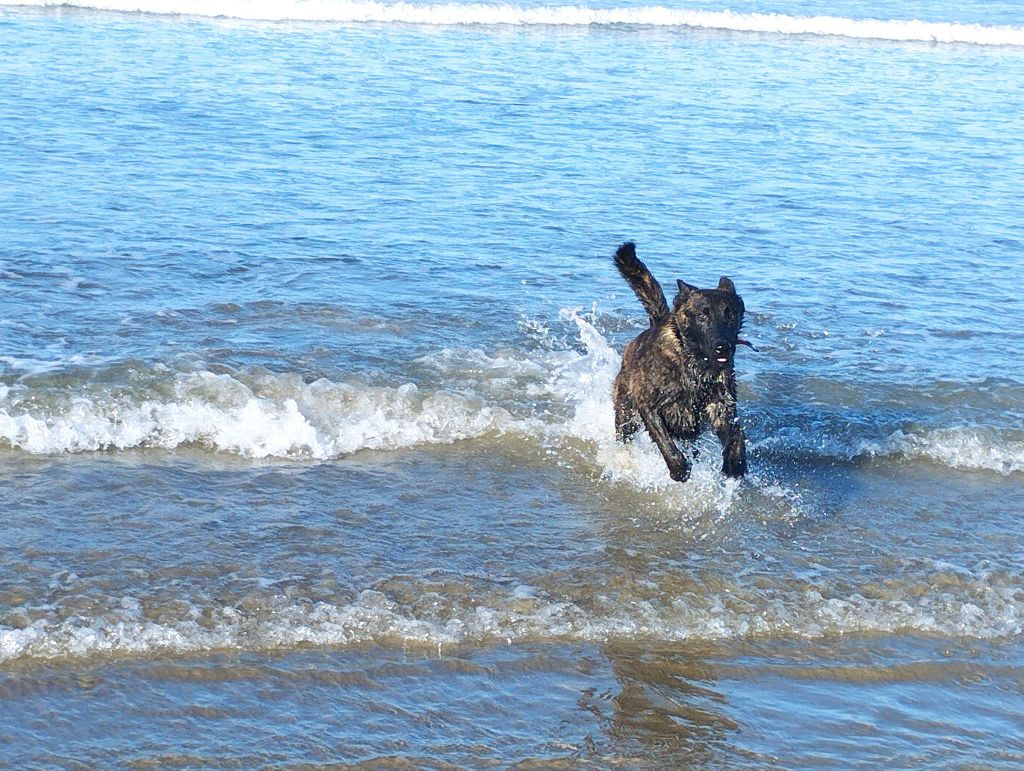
x,y
643,283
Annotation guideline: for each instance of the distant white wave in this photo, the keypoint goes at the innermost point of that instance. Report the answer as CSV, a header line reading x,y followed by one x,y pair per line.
x,y
561,15
979,606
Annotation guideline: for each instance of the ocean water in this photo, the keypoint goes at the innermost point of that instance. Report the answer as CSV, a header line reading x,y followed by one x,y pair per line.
x,y
308,330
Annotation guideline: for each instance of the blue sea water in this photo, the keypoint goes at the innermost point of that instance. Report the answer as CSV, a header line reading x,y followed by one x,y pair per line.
x,y
309,325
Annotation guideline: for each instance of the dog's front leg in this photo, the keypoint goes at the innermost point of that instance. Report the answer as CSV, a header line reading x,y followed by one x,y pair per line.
x,y
678,465
722,417
734,454
626,423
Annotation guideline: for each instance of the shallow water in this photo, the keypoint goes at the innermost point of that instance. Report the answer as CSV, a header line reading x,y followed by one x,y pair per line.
x,y
305,363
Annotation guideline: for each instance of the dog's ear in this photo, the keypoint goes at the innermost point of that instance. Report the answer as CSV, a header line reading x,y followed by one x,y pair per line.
x,y
684,292
725,285
684,288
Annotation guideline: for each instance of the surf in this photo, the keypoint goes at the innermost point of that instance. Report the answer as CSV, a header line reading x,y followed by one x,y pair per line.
x,y
980,605
504,14
555,399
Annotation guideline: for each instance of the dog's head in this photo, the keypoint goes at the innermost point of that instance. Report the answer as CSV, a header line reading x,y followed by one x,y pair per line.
x,y
708,322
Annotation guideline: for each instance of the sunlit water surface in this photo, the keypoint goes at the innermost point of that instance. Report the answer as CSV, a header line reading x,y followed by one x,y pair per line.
x,y
306,348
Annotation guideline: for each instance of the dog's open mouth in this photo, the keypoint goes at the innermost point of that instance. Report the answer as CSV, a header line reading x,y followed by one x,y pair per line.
x,y
723,355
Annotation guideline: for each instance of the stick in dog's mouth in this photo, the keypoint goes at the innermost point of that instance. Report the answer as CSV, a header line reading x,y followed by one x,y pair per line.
x,y
750,345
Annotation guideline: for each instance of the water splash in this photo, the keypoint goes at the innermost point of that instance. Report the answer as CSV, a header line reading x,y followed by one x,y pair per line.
x,y
556,398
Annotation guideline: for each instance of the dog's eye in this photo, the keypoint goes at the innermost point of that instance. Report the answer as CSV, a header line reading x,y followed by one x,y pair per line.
x,y
705,312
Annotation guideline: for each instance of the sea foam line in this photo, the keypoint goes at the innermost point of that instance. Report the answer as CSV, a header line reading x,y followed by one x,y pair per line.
x,y
556,399
969,448
962,448
283,417
452,14
983,608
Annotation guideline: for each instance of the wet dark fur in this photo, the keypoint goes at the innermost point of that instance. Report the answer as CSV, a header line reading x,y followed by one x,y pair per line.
x,y
677,377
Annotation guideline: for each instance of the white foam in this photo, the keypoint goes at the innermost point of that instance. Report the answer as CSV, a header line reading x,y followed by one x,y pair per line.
x,y
55,362
961,447
969,448
979,607
561,400
286,418
360,11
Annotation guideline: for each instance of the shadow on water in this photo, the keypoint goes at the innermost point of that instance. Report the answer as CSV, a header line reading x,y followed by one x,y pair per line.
x,y
665,704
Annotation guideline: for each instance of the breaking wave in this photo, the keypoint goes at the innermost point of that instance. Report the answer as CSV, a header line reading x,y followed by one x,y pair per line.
x,y
280,417
967,448
979,606
360,11
554,399
961,448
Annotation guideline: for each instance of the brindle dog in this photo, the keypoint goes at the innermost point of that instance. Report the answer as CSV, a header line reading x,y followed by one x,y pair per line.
x,y
678,375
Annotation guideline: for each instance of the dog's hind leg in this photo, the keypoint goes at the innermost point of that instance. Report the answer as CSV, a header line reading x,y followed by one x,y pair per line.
x,y
678,464
722,417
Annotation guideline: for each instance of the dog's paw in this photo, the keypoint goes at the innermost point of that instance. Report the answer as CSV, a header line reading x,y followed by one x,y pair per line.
x,y
734,470
679,473
734,457
735,463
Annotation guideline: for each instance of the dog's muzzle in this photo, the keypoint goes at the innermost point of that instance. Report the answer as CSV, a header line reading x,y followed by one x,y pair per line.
x,y
723,352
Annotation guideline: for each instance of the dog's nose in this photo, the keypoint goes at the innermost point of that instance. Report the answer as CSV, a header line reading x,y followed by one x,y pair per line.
x,y
722,353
